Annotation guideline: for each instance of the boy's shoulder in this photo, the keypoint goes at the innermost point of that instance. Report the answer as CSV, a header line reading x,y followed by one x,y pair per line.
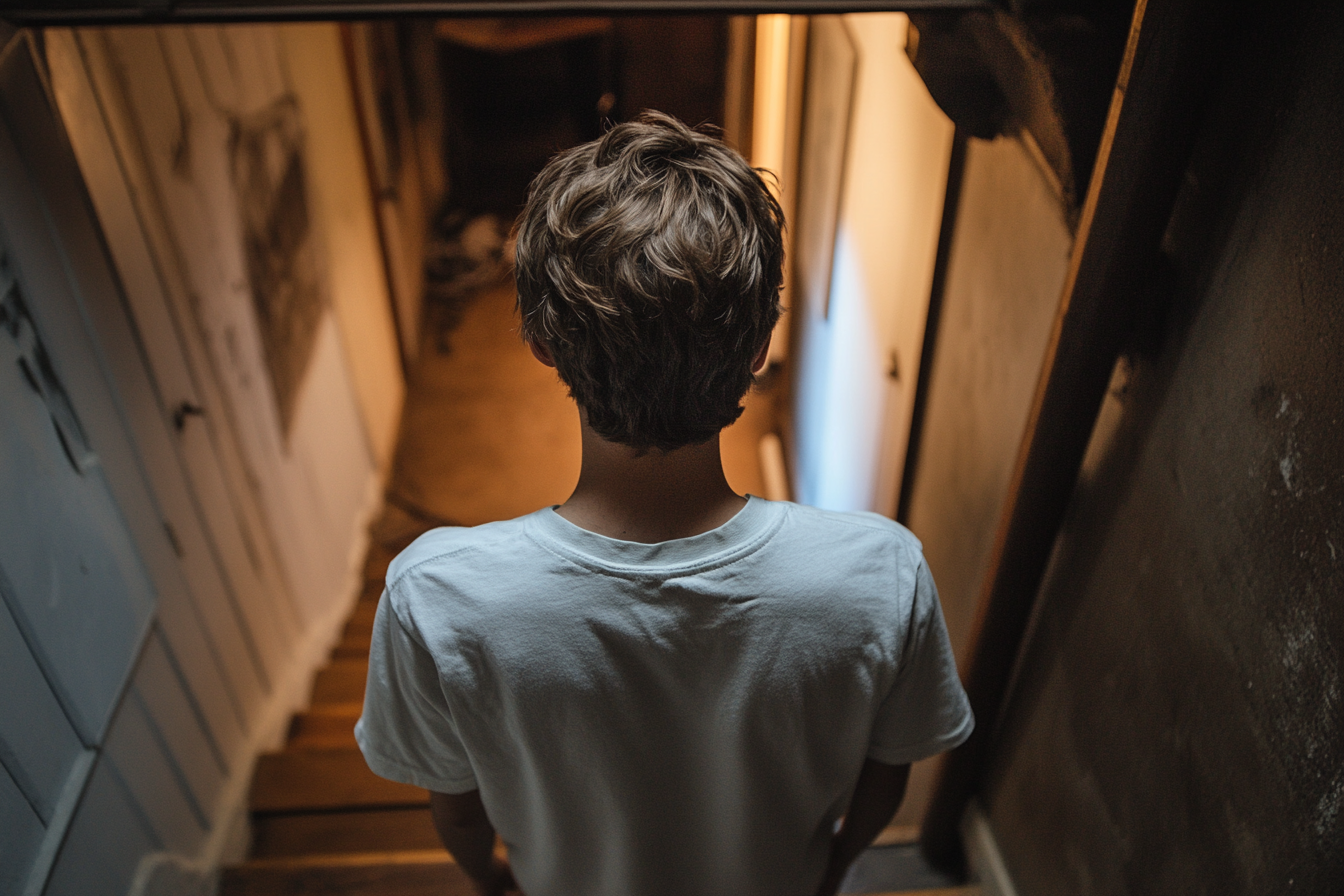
x,y
499,539
861,527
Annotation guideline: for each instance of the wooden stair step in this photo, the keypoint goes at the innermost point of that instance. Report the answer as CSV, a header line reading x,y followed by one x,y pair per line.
x,y
418,873
305,780
361,617
376,562
364,830
351,649
341,681
324,728
356,632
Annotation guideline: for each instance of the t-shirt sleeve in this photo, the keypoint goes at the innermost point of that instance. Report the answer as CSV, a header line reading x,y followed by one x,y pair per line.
x,y
926,710
406,732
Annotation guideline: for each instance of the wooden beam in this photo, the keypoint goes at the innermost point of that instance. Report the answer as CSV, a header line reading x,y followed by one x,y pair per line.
x,y
112,12
1154,115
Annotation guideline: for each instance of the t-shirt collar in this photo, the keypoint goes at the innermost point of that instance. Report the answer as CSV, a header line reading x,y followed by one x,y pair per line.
x,y
748,529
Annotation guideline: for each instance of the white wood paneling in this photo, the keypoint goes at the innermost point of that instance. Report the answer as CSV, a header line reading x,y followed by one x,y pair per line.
x,y
160,300
180,725
83,596
38,745
137,752
246,531
71,269
105,841
252,591
200,664
20,833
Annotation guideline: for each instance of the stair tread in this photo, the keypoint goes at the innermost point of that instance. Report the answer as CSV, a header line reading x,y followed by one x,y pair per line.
x,y
353,646
325,779
361,617
341,681
350,709
324,730
372,858
410,873
362,830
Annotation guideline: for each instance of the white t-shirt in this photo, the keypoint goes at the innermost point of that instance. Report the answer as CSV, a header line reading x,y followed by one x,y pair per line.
x,y
685,718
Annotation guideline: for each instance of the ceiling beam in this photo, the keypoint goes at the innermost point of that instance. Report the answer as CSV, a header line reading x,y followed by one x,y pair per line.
x,y
105,12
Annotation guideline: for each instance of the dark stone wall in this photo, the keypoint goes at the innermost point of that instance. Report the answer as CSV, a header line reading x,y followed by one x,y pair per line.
x,y
1177,722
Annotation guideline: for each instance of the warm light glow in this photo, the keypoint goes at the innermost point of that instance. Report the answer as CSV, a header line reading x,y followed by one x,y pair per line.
x,y
850,397
771,106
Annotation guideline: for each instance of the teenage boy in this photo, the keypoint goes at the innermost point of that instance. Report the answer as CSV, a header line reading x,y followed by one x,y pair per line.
x,y
659,687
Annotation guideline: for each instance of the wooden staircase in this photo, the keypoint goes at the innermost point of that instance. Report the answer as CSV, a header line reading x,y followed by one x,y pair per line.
x,y
322,823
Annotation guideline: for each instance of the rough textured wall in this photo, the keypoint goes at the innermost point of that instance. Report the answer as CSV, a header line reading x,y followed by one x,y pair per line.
x,y
1178,725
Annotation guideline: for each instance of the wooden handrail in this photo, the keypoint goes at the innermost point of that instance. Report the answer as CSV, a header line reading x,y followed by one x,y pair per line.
x,y
1161,89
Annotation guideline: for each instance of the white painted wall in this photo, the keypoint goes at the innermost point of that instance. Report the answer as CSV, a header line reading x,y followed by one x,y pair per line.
x,y
851,418
252,536
171,96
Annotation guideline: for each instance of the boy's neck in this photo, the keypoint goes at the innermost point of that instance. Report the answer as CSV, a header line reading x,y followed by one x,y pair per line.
x,y
651,497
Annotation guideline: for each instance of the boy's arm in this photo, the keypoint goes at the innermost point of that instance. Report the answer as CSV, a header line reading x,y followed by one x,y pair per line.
x,y
877,796
466,832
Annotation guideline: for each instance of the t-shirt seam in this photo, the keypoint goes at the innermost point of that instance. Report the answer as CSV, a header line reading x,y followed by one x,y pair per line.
x,y
401,576
636,574
413,773
966,718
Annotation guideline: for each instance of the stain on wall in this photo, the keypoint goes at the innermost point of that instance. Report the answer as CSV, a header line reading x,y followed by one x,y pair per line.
x,y
1178,721
266,152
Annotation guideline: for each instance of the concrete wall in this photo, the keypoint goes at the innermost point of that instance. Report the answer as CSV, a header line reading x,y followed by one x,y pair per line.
x,y
1177,725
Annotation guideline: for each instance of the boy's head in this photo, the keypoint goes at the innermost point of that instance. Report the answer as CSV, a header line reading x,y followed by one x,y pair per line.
x,y
649,264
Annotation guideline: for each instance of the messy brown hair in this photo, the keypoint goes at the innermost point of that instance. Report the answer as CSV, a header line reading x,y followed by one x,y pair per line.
x,y
649,264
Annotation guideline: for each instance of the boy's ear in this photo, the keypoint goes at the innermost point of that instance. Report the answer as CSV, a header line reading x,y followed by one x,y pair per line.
x,y
762,358
541,352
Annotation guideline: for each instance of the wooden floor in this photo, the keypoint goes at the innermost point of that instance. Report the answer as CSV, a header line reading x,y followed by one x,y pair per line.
x,y
487,434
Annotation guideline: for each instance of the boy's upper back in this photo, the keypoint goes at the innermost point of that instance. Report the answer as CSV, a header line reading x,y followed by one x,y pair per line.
x,y
619,704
